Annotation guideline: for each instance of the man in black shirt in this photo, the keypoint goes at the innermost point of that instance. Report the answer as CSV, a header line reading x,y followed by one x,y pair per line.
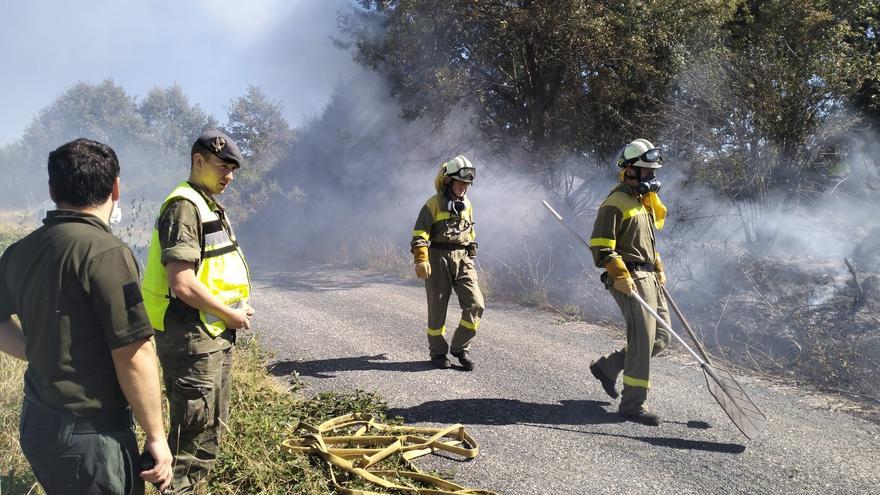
x,y
83,329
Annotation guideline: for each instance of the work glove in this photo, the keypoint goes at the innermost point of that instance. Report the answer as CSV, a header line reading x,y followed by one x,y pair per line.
x,y
423,269
420,258
626,285
658,268
623,281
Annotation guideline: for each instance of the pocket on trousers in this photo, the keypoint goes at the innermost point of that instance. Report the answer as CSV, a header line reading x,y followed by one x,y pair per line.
x,y
194,406
59,474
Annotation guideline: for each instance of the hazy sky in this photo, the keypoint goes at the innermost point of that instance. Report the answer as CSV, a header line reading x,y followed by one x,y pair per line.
x,y
213,48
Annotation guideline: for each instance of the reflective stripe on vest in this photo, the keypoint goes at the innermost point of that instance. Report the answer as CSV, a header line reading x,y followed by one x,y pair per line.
x,y
222,268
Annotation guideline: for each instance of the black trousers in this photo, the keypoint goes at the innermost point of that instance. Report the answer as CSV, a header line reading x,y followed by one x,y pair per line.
x,y
80,455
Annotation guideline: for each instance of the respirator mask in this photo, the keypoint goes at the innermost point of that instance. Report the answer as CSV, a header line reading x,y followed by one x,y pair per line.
x,y
649,183
456,206
652,185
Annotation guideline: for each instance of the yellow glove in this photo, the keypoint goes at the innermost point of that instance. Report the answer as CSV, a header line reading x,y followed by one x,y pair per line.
x,y
420,257
626,285
420,254
623,281
423,269
658,268
661,278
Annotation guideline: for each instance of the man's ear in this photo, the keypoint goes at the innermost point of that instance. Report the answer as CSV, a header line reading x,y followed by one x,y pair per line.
x,y
52,194
114,194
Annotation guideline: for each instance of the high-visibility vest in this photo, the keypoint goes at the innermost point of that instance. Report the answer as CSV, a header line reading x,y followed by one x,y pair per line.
x,y
222,268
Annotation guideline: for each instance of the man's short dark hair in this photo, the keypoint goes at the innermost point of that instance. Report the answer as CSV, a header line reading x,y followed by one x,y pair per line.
x,y
198,149
82,173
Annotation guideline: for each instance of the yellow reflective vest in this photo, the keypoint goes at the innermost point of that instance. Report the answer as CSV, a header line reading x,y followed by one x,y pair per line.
x,y
222,268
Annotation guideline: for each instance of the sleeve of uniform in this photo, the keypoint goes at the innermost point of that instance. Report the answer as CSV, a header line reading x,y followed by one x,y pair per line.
x,y
115,293
6,307
603,242
422,229
179,233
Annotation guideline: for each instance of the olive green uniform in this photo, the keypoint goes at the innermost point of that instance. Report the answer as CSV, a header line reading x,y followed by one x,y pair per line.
x,y
75,288
448,237
196,367
624,229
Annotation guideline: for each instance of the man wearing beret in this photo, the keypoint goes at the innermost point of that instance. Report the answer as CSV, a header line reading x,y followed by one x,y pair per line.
x,y
196,292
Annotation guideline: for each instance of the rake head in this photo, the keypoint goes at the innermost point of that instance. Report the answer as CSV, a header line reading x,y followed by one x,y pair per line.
x,y
733,399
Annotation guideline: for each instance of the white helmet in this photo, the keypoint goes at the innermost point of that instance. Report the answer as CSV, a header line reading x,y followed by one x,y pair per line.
x,y
640,153
460,168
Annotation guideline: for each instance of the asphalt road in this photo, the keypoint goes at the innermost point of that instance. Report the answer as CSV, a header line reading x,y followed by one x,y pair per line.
x,y
543,423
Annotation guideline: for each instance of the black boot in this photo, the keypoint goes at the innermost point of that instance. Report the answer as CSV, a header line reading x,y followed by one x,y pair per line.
x,y
643,417
607,383
440,362
466,362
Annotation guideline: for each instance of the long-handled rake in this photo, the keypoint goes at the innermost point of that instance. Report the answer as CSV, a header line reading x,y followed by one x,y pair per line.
x,y
722,385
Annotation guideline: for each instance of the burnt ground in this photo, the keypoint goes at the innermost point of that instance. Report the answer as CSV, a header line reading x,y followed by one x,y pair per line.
x,y
804,323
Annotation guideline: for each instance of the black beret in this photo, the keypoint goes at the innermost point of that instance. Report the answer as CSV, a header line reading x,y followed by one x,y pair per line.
x,y
221,145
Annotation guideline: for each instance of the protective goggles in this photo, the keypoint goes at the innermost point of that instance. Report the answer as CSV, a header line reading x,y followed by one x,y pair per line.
x,y
650,156
466,174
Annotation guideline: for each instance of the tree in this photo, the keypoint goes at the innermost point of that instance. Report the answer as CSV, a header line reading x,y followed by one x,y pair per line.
x,y
170,117
152,140
104,112
867,37
547,77
766,113
258,126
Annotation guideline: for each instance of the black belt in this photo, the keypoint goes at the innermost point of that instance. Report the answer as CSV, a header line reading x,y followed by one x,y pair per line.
x,y
640,267
448,246
96,423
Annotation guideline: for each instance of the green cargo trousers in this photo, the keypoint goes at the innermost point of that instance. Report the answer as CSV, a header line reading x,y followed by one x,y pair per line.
x,y
452,270
644,340
198,390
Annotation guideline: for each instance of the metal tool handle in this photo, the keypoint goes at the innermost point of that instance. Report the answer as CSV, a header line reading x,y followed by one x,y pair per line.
x,y
662,323
686,325
569,229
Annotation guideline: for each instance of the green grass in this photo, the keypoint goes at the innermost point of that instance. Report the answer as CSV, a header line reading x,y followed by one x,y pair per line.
x,y
15,473
262,415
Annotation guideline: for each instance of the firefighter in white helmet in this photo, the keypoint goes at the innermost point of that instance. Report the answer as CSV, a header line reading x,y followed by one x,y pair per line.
x,y
444,246
623,243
